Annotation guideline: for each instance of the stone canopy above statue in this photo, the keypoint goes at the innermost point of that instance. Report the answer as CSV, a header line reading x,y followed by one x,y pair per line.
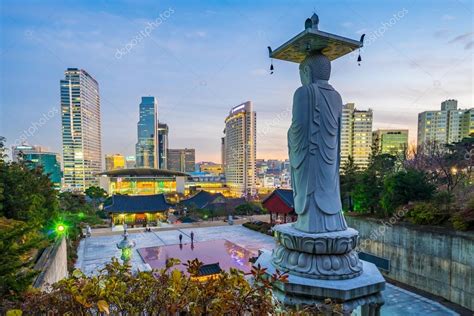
x,y
313,40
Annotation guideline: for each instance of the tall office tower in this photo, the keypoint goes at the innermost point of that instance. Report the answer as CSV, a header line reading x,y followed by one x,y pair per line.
x,y
114,162
81,132
182,160
146,149
391,141
356,135
162,146
37,156
241,149
449,125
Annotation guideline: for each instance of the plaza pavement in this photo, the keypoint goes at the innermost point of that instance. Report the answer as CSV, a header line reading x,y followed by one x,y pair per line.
x,y
95,251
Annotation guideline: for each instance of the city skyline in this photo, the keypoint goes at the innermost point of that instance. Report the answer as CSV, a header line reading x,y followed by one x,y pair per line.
x,y
192,87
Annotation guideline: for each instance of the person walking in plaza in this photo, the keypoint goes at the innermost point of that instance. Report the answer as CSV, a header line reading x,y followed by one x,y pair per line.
x,y
180,239
192,237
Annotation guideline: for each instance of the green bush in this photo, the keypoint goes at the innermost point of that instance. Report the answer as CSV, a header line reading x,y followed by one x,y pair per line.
x,y
248,208
407,186
464,219
263,227
425,213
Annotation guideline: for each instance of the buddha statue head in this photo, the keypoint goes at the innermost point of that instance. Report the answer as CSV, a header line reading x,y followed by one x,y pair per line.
x,y
315,67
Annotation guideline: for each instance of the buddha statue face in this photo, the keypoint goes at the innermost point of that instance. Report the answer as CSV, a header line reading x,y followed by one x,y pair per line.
x,y
315,67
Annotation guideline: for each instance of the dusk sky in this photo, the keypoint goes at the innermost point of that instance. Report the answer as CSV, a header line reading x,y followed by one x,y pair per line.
x,y
200,59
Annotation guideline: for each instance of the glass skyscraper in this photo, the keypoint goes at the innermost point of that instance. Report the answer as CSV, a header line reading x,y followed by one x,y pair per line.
x,y
162,146
81,131
147,146
37,156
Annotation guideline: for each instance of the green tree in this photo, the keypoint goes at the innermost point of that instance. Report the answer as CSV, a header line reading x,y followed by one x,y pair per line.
x,y
96,194
403,187
248,208
28,202
27,195
349,175
370,184
19,242
72,202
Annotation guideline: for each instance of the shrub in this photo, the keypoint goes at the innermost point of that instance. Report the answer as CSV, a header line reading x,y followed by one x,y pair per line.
x,y
425,213
406,186
262,227
464,219
168,291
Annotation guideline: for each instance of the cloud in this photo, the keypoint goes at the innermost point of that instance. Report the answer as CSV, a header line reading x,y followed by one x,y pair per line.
x,y
448,17
442,33
197,34
467,39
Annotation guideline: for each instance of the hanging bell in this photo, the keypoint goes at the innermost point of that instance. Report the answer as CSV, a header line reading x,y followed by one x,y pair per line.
x,y
359,59
271,68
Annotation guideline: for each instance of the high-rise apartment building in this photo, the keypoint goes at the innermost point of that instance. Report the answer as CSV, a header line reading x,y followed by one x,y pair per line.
x,y
391,141
468,123
81,130
182,160
146,149
449,125
356,135
240,145
114,162
162,146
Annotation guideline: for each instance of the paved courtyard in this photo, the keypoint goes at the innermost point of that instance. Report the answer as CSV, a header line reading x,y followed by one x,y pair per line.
x,y
95,251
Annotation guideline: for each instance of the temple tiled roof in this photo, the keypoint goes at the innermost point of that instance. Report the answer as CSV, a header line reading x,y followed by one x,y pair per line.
x,y
209,269
137,204
286,195
202,199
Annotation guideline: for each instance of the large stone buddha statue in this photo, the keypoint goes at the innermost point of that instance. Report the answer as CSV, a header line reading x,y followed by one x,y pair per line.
x,y
318,252
313,144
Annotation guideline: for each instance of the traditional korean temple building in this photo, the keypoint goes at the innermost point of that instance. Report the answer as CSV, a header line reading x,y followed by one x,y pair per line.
x,y
205,200
280,206
138,210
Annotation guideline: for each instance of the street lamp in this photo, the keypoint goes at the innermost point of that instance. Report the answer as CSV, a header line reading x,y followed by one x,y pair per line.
x,y
60,228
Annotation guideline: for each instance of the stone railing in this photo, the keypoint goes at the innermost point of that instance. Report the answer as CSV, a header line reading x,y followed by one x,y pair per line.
x,y
52,265
432,259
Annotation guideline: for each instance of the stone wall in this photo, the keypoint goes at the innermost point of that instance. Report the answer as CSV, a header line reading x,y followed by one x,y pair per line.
x,y
52,265
435,260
